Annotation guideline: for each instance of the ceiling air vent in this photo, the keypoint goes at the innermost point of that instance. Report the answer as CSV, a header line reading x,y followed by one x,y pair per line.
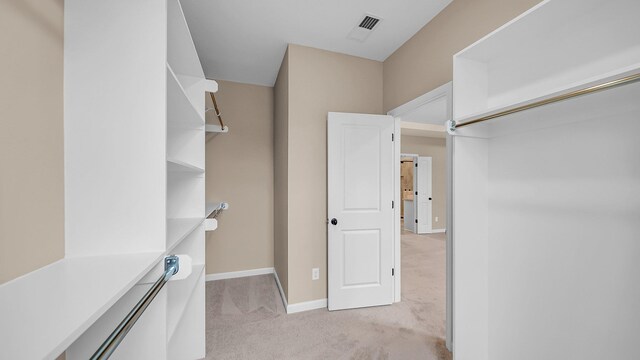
x,y
368,22
366,26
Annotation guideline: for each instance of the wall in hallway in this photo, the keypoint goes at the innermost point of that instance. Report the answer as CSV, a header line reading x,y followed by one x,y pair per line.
x,y
425,62
31,136
436,148
240,171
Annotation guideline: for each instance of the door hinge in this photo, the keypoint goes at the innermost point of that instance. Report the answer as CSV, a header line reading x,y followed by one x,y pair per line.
x,y
393,138
416,193
416,221
416,164
393,272
393,204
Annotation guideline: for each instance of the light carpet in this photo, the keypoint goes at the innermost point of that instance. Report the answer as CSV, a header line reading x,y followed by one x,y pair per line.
x,y
246,318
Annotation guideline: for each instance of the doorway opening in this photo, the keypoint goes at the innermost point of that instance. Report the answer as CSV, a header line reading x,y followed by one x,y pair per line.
x,y
416,191
423,244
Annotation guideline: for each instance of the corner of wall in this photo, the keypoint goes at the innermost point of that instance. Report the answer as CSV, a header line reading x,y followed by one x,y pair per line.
x,y
281,176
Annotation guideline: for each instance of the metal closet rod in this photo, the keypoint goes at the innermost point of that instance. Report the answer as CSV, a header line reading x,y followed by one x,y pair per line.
x,y
215,107
171,267
580,92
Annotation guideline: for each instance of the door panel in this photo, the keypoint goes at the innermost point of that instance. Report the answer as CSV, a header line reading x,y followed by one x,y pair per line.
x,y
361,168
424,199
360,194
362,249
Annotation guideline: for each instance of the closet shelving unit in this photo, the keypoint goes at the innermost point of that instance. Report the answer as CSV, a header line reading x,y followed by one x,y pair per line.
x,y
134,191
546,195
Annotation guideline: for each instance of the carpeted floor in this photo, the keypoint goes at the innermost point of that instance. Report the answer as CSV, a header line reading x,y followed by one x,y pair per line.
x,y
246,318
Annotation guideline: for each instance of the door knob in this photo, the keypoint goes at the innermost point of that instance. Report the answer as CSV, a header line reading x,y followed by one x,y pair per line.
x,y
334,221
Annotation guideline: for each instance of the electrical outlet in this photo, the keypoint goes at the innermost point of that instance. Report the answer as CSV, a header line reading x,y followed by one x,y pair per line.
x,y
436,219
315,274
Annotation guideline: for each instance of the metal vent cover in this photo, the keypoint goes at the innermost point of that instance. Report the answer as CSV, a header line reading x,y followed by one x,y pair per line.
x,y
369,22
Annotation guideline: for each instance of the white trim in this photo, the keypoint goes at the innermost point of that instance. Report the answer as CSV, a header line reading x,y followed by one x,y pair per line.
x,y
239,274
445,90
290,309
282,295
397,113
306,306
397,231
437,231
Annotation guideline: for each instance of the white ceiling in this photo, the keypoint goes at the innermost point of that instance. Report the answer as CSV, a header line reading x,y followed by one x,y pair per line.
x,y
245,40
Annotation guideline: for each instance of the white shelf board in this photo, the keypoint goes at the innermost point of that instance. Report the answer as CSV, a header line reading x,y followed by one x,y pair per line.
x,y
181,111
210,224
186,144
215,129
176,165
179,293
181,51
179,229
555,45
45,311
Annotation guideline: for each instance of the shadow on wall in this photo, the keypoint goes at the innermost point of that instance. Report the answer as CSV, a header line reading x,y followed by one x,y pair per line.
x,y
39,17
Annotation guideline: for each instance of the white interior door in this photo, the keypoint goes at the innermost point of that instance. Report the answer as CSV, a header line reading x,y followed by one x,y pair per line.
x,y
423,197
360,165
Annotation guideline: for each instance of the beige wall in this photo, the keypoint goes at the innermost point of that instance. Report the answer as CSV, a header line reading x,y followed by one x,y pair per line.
x,y
281,174
319,82
31,136
240,171
424,62
436,148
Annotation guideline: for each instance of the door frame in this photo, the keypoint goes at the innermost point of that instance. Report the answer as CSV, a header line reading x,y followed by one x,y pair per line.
x,y
445,90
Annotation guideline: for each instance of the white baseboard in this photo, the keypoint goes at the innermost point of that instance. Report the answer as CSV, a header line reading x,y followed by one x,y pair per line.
x,y
299,307
284,298
438,231
239,274
306,306
291,309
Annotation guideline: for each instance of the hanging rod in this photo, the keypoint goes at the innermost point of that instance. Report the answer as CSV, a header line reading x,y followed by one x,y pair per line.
x,y
171,267
215,107
580,92
217,209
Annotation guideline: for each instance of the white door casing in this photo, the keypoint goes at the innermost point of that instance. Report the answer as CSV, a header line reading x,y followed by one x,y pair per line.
x,y
423,195
360,163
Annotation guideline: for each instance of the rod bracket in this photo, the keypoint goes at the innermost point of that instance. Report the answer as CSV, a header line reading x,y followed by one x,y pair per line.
x,y
451,127
171,262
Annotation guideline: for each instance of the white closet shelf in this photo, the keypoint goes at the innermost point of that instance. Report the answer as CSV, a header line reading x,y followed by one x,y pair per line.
x,y
181,51
215,129
175,165
54,305
179,294
182,112
178,229
560,54
210,224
